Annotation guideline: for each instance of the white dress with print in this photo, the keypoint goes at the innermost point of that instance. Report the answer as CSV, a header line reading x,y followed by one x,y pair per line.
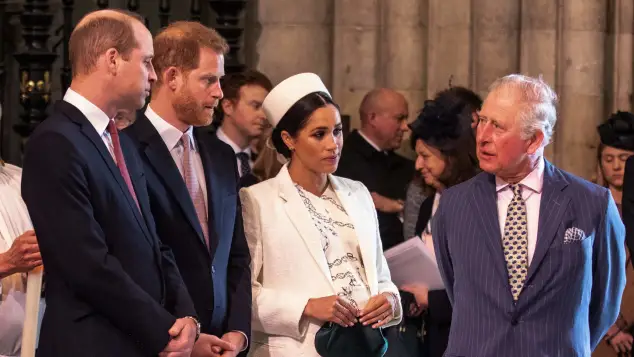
x,y
340,245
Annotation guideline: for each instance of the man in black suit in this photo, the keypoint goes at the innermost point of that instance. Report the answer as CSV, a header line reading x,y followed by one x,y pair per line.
x,y
368,156
240,119
193,182
112,288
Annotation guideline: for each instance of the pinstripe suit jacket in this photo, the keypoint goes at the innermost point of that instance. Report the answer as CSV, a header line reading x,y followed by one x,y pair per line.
x,y
572,292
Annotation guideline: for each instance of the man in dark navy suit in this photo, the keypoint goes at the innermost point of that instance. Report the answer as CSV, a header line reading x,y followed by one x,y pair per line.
x,y
532,257
193,182
112,288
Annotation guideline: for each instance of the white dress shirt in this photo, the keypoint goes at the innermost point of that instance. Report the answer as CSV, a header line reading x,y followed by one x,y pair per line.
x,y
171,137
236,149
14,221
532,195
95,116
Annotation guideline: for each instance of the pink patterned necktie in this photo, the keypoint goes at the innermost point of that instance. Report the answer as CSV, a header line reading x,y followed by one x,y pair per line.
x,y
193,186
118,156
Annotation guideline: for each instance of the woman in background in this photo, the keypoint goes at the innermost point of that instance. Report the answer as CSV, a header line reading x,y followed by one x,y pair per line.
x,y
617,145
417,190
446,156
314,240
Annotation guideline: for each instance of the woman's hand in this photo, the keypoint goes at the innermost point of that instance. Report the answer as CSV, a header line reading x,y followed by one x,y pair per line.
x,y
332,309
379,310
387,205
421,294
622,342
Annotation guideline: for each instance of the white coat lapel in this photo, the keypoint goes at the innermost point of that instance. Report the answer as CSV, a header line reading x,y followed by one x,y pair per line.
x,y
301,219
362,218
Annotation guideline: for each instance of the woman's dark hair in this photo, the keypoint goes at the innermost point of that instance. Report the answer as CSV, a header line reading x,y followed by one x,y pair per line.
x,y
296,118
618,132
455,96
446,126
469,98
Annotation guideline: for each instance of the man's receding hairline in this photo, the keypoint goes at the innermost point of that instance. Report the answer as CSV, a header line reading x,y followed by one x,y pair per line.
x,y
371,101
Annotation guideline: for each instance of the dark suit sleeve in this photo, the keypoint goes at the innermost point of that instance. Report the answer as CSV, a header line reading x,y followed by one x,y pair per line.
x,y
441,247
628,203
58,197
439,307
349,168
239,279
179,302
608,272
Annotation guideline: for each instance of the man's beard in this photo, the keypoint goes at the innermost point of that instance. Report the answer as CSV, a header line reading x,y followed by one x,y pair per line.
x,y
189,111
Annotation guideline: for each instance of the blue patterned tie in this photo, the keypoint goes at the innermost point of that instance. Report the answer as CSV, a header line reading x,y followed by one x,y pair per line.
x,y
245,167
516,241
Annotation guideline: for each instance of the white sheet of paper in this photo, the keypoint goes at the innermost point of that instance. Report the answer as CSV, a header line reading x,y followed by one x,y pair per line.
x,y
411,263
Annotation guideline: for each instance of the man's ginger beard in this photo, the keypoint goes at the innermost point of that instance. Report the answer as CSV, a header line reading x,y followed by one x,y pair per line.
x,y
189,111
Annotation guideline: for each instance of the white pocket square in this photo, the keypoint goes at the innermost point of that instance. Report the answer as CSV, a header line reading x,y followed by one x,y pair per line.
x,y
574,234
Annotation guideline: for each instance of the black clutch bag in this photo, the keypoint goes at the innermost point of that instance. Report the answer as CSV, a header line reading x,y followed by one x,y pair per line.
x,y
333,340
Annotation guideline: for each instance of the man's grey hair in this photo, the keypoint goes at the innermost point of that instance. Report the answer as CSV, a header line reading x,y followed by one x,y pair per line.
x,y
539,104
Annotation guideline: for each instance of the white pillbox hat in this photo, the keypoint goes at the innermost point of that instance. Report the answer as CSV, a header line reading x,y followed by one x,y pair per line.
x,y
288,92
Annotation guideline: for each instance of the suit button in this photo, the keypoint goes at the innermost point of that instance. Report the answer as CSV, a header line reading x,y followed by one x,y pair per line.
x,y
514,321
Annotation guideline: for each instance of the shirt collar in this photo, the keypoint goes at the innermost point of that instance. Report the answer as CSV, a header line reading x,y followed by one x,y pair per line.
x,y
372,143
533,181
95,116
169,133
236,149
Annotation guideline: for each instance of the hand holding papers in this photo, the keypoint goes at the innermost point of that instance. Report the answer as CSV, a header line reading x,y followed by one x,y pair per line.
x,y
412,263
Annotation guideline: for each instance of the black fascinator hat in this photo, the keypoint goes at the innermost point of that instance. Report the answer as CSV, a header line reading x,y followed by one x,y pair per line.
x,y
618,131
443,125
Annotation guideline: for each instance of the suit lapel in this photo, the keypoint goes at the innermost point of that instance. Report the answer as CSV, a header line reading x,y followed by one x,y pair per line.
x,y
485,207
216,196
89,131
161,160
300,217
366,233
552,207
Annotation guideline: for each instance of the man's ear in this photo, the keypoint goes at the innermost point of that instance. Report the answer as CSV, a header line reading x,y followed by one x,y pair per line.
x,y
172,78
112,59
535,142
228,107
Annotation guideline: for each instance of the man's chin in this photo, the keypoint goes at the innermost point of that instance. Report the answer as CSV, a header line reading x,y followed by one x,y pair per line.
x,y
198,122
489,167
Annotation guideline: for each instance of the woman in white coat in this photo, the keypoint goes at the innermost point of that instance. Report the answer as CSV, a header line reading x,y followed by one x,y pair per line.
x,y
314,238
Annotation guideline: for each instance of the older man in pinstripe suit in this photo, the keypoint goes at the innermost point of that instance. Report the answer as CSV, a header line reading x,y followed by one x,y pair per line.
x,y
532,256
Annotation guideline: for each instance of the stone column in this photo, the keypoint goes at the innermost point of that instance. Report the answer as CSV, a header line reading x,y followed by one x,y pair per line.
x,y
449,46
496,41
539,45
402,53
296,37
355,53
582,67
620,56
